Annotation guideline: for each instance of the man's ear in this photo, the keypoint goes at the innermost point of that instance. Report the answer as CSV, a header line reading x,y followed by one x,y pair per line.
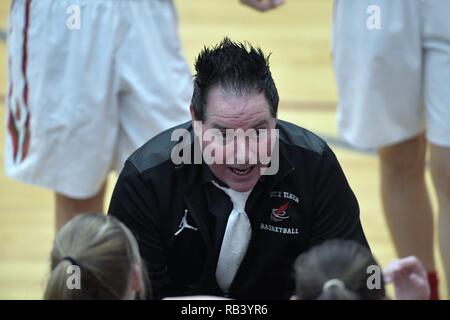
x,y
274,122
191,109
136,278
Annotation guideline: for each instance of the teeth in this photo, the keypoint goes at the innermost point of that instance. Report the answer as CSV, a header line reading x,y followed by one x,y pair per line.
x,y
241,172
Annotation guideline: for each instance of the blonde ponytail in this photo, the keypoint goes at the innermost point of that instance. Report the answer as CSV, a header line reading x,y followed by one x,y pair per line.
x,y
103,251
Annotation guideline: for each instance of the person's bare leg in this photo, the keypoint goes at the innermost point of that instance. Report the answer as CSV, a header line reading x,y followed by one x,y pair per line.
x,y
66,208
440,171
405,199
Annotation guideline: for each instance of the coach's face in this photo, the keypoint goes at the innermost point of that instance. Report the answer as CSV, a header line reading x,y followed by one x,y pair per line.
x,y
240,167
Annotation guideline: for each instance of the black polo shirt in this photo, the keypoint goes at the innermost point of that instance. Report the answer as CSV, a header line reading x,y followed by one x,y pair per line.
x,y
306,202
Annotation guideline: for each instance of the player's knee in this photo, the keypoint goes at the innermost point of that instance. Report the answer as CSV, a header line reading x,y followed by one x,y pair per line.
x,y
404,159
402,164
441,179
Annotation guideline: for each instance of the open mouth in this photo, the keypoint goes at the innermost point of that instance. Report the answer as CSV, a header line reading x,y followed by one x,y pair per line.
x,y
242,172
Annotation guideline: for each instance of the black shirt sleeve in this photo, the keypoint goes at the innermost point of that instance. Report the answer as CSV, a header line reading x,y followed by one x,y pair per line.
x,y
336,210
132,203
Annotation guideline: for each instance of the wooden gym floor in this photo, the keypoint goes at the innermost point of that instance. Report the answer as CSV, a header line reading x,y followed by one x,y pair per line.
x,y
298,35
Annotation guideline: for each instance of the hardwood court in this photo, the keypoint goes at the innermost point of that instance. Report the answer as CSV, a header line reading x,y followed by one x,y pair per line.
x,y
298,36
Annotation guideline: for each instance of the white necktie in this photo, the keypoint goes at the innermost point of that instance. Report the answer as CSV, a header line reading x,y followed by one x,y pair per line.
x,y
236,239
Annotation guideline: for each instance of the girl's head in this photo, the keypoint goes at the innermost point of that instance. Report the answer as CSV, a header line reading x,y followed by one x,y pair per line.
x,y
106,255
337,270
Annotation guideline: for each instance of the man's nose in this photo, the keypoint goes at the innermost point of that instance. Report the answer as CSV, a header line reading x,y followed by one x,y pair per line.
x,y
244,151
241,151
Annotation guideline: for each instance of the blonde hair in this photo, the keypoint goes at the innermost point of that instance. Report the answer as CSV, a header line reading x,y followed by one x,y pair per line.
x,y
105,252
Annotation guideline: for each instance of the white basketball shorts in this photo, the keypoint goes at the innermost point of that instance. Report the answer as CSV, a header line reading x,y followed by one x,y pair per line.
x,y
392,64
89,82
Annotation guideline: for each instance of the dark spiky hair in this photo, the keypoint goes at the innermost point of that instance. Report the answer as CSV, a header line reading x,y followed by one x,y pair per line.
x,y
237,67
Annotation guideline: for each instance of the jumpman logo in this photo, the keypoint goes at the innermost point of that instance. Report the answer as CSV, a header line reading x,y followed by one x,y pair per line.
x,y
184,224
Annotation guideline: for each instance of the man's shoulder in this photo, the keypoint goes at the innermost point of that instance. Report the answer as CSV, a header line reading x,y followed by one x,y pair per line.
x,y
296,136
158,149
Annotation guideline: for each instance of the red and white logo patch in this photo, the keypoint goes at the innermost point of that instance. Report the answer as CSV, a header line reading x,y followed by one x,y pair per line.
x,y
279,214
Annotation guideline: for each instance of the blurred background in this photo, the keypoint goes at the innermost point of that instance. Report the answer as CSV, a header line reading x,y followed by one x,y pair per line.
x,y
298,36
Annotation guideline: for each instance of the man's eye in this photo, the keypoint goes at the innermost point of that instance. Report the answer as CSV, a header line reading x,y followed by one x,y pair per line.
x,y
264,132
253,134
259,132
222,134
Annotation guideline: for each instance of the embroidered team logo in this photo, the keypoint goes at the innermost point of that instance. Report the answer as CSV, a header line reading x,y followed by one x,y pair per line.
x,y
184,224
279,214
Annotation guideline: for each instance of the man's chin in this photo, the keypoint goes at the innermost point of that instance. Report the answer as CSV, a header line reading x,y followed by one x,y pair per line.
x,y
242,187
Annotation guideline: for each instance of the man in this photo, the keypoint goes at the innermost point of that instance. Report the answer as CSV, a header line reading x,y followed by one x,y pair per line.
x,y
393,69
222,227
